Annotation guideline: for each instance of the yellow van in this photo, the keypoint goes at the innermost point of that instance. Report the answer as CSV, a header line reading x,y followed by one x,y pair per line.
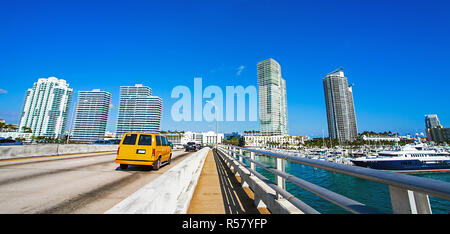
x,y
137,148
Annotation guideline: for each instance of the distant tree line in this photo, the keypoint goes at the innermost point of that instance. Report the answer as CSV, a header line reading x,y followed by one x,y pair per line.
x,y
252,132
235,141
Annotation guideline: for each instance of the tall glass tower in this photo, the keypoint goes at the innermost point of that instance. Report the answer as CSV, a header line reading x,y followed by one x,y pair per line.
x,y
91,116
139,111
431,122
340,108
272,99
46,107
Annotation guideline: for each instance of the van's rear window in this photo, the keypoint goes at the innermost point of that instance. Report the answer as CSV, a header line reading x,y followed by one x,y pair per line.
x,y
129,139
145,140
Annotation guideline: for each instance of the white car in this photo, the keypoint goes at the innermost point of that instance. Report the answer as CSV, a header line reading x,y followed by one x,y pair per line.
x,y
178,147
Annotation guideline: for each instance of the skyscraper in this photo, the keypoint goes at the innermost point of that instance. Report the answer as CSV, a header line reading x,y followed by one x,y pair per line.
x,y
46,107
340,108
91,116
432,122
139,111
272,99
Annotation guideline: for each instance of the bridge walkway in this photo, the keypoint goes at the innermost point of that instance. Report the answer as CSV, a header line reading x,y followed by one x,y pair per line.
x,y
219,191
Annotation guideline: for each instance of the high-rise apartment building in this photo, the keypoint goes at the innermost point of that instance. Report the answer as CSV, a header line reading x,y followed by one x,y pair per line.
x,y
340,108
46,107
139,111
435,131
272,99
91,115
431,121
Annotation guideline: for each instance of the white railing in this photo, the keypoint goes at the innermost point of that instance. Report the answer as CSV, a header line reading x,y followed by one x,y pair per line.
x,y
409,194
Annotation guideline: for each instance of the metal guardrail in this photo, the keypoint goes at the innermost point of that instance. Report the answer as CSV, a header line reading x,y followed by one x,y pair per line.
x,y
409,194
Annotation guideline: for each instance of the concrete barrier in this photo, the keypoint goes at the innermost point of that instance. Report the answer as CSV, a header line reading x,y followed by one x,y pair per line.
x,y
25,151
170,193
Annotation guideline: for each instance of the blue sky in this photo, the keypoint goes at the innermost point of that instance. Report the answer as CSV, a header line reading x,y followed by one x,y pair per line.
x,y
397,54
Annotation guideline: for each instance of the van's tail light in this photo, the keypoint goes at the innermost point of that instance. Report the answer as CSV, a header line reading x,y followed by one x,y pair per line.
x,y
153,152
118,149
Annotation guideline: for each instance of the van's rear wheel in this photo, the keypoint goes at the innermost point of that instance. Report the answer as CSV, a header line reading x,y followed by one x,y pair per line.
x,y
123,166
157,164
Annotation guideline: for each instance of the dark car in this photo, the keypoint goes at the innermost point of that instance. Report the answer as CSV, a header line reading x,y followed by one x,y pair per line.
x,y
4,141
114,141
106,142
191,147
99,142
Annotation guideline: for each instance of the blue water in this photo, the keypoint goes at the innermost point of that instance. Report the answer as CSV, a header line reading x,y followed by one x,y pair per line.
x,y
367,192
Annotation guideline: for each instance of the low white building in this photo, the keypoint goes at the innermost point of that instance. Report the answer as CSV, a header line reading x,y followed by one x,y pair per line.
x,y
110,134
212,138
380,138
14,135
263,141
204,138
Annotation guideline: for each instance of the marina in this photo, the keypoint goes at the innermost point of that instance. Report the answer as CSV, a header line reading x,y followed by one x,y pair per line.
x,y
364,191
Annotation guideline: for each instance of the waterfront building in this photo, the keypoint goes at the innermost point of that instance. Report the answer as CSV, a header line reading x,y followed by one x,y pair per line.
x,y
110,134
203,138
14,135
210,138
46,107
340,108
445,132
272,99
91,115
434,130
265,141
432,121
139,111
439,134
380,138
4,127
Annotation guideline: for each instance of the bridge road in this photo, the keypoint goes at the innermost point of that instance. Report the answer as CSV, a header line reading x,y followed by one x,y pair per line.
x,y
84,183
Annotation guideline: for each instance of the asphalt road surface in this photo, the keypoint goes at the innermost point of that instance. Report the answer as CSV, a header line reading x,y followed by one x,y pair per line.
x,y
84,183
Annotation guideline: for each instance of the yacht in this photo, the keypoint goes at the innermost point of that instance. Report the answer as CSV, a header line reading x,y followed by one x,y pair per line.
x,y
409,158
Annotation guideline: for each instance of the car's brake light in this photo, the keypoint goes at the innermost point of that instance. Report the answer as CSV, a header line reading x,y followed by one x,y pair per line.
x,y
153,152
118,149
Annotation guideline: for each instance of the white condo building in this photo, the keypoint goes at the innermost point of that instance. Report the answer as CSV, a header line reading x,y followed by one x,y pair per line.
x,y
46,107
203,138
268,141
340,108
139,111
431,122
91,116
272,99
